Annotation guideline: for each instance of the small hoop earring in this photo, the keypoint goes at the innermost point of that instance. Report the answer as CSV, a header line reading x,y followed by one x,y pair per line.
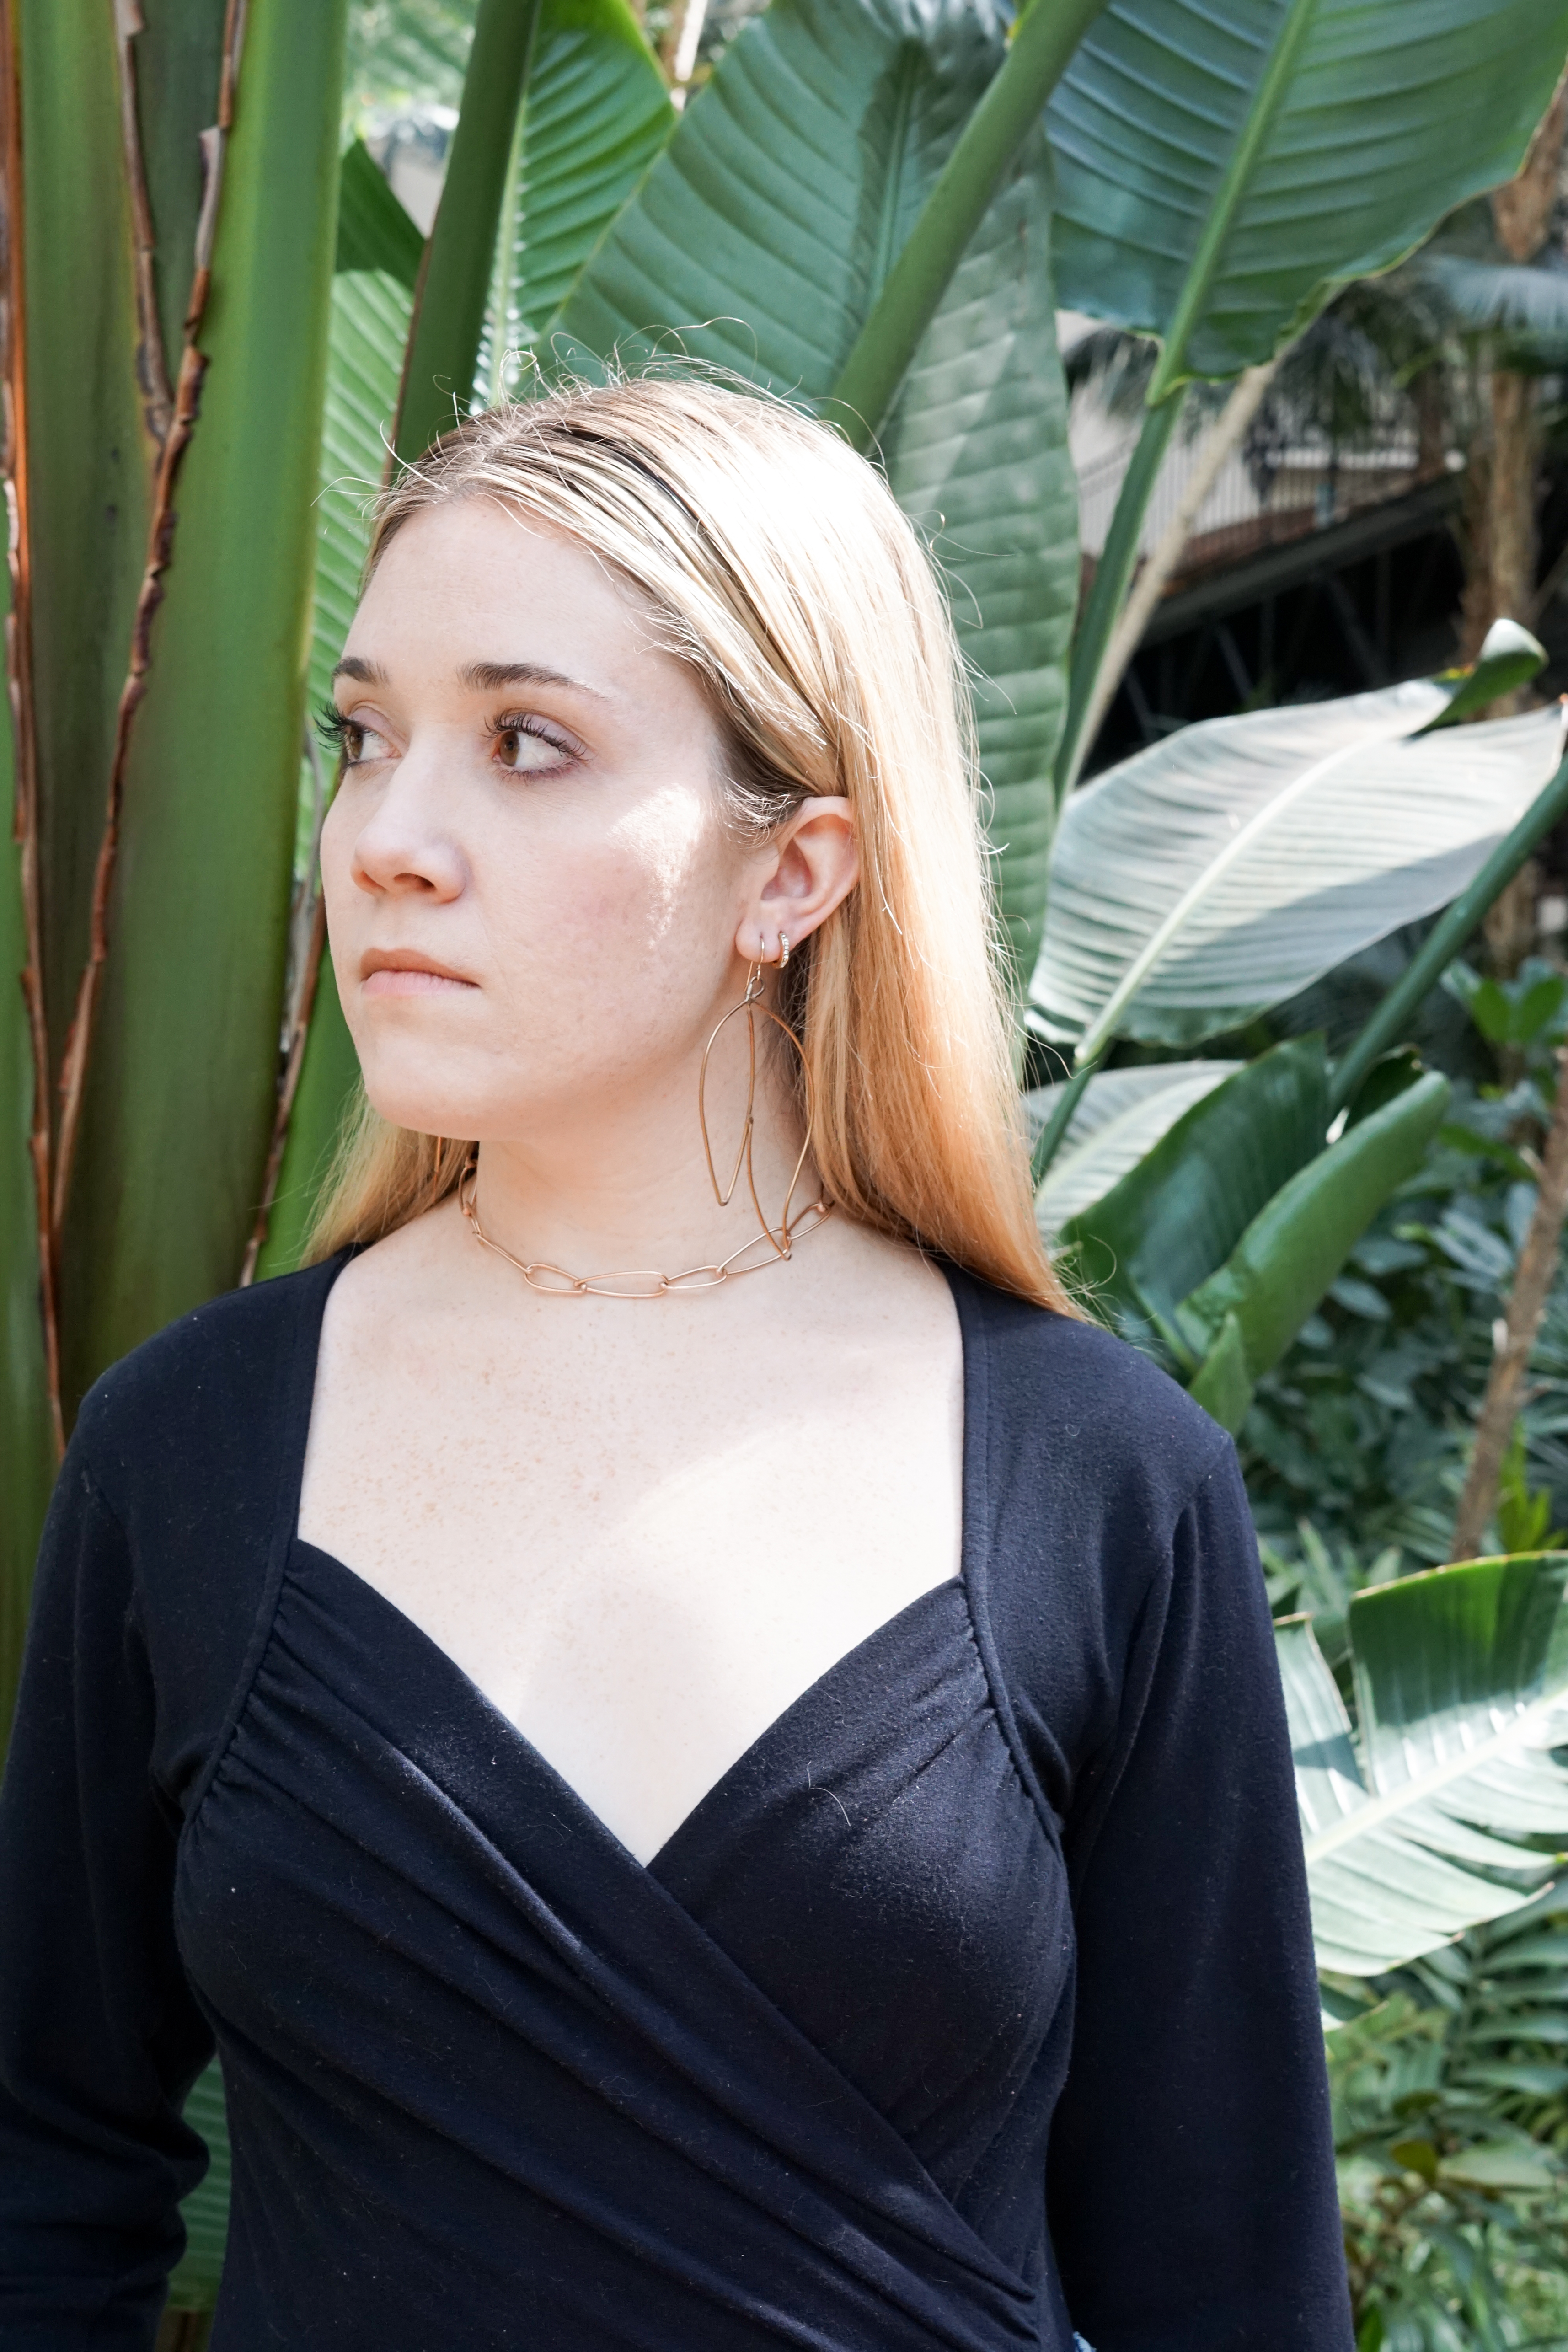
x,y
783,950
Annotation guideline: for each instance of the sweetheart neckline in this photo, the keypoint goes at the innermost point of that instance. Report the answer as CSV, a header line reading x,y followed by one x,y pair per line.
x,y
539,1762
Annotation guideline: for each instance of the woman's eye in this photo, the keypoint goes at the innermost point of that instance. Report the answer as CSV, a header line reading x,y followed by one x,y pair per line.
x,y
528,748
355,743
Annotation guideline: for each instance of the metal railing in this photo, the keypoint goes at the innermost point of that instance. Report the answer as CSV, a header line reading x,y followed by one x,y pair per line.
x,y
1265,496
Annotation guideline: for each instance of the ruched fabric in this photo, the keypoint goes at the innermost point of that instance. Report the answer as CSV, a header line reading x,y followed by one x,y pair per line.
x,y
974,2005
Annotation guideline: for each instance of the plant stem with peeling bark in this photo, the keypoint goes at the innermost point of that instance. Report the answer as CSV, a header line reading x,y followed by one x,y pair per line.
x,y
19,682
176,440
1526,1305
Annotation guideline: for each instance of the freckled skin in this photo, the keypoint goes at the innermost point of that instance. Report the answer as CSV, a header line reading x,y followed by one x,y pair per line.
x,y
641,1528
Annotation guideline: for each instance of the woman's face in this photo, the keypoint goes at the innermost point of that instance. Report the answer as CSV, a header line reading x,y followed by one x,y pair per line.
x,y
531,890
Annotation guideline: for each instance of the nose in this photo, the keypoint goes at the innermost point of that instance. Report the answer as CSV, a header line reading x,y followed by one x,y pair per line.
x,y
404,849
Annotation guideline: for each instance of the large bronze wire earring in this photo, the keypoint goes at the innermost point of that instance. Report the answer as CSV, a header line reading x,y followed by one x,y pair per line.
x,y
751,1004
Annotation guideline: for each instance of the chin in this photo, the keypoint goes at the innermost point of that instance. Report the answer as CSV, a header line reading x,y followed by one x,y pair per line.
x,y
424,1101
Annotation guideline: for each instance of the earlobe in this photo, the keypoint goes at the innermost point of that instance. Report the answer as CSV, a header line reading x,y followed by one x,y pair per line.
x,y
814,869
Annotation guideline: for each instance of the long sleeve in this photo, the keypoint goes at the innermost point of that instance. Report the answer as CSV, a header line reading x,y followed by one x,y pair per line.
x,y
99,2037
1191,2183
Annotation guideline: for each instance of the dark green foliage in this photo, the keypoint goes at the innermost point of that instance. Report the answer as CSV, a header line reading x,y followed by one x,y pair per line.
x,y
1450,2092
1362,1431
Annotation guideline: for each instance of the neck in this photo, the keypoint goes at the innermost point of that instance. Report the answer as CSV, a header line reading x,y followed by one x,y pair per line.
x,y
623,1184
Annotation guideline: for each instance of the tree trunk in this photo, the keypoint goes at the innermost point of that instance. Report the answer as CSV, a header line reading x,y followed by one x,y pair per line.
x,y
1526,1305
1521,211
1501,547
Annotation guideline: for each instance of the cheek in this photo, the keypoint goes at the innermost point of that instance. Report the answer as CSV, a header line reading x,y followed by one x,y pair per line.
x,y
344,901
625,894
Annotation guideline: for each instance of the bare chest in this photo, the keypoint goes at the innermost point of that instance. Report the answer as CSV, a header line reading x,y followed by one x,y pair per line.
x,y
643,1546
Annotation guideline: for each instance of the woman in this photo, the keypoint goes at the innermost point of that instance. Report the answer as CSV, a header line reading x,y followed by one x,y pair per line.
x,y
698,1811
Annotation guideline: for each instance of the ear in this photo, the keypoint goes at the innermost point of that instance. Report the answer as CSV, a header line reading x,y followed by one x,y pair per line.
x,y
809,868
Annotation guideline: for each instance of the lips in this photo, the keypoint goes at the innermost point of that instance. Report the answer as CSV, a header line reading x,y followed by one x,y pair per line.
x,y
403,972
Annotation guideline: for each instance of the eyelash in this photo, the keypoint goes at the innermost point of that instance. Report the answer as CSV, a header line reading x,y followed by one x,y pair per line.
x,y
525,722
335,729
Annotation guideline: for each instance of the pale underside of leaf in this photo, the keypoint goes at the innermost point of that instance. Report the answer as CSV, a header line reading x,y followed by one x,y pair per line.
x,y
1215,875
1122,1115
1397,1873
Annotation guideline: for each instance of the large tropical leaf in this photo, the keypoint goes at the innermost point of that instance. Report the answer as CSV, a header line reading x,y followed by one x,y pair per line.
x,y
759,242
1176,1217
1523,307
1121,1116
763,234
1224,869
90,446
206,2212
174,1043
1221,170
1447,1807
596,114
1248,1311
451,297
24,1447
370,316
370,311
977,453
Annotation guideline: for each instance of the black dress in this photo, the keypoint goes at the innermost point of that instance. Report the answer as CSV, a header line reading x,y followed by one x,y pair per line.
x,y
974,2005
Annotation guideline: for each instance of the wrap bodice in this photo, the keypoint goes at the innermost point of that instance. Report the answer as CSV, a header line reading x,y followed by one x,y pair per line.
x,y
972,2005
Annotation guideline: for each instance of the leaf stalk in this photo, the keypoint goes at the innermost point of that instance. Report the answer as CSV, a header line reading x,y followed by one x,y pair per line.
x,y
1446,939
1112,578
1040,51
454,277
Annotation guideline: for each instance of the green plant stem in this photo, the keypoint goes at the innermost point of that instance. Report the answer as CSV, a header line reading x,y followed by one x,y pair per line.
x,y
454,281
1040,51
1112,578
1057,1124
1232,194
1448,936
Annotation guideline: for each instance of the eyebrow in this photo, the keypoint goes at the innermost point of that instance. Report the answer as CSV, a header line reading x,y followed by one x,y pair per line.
x,y
484,677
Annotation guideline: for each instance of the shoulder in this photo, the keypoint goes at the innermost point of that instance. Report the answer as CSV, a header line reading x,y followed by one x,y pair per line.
x,y
207,1397
1102,1489
1068,1405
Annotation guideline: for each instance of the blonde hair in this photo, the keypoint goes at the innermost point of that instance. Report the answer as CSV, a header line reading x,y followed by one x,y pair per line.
x,y
779,565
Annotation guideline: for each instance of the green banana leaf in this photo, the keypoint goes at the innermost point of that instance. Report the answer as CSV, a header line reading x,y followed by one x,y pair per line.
x,y
91,447
1121,1116
370,311
193,2285
1222,172
1248,1312
373,230
759,242
449,308
976,452
1176,1217
1448,1805
1219,872
25,1435
178,1093
596,114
